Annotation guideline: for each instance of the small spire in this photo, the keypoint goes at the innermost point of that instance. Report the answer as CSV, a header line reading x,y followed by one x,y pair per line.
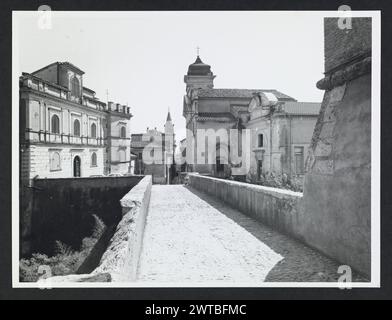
x,y
168,118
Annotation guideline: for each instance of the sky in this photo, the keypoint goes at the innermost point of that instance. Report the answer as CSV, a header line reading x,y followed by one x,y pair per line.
x,y
141,58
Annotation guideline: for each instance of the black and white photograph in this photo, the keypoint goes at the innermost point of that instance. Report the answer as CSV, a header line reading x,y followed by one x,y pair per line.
x,y
196,149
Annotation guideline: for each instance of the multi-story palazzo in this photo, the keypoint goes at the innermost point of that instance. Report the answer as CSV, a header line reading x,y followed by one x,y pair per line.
x,y
65,130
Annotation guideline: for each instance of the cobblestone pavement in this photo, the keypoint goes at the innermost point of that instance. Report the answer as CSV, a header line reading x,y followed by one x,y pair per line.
x,y
193,238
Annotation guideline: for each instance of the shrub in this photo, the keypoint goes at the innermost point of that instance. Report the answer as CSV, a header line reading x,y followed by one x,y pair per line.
x,y
65,261
274,180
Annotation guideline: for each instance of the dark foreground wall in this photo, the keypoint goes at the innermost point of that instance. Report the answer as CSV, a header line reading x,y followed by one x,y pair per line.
x,y
62,209
337,189
119,263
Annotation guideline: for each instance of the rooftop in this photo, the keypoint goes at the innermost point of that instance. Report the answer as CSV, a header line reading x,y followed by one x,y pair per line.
x,y
239,93
199,68
302,108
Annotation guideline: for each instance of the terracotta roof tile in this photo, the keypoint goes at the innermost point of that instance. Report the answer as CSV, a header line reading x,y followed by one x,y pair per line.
x,y
238,93
302,108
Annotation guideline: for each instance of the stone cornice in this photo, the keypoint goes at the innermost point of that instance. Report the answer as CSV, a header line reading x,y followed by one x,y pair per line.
x,y
80,107
347,73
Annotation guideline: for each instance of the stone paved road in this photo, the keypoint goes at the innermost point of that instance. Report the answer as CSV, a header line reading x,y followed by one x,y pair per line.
x,y
193,238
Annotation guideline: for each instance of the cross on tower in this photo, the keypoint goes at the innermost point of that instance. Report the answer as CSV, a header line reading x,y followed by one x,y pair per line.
x,y
198,50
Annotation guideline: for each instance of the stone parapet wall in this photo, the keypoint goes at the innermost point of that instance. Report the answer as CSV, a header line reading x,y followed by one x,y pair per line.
x,y
121,258
288,212
276,208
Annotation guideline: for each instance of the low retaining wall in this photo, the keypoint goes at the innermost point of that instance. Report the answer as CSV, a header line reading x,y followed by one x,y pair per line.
x,y
121,258
288,212
277,208
62,209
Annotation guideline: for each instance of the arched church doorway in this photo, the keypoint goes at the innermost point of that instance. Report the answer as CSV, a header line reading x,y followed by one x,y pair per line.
x,y
76,166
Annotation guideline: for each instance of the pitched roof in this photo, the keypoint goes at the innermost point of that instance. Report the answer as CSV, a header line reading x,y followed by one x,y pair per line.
x,y
301,108
70,65
238,93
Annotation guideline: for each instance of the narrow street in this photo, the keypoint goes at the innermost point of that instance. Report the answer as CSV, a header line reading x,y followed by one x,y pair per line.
x,y
191,237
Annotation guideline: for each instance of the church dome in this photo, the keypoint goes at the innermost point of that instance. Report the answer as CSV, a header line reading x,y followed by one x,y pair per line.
x,y
198,68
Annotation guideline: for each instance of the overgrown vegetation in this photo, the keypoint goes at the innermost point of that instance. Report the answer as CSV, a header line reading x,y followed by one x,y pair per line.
x,y
281,181
65,261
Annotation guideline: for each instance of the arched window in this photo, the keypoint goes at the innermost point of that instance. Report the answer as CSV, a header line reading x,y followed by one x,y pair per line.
x,y
123,132
75,87
76,128
93,130
55,161
55,124
93,159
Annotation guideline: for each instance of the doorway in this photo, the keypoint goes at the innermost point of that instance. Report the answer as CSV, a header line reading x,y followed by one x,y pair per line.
x,y
76,166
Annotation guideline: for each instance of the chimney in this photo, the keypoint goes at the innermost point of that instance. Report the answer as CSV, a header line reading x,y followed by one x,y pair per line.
x,y
110,105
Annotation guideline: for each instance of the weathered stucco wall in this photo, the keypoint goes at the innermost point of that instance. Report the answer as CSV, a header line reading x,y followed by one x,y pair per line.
x,y
337,188
275,207
62,209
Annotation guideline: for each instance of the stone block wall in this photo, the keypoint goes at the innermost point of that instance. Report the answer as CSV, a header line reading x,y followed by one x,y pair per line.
x,y
36,161
344,45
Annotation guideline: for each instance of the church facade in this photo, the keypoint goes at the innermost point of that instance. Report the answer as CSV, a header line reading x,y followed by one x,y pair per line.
x,y
280,127
159,147
65,130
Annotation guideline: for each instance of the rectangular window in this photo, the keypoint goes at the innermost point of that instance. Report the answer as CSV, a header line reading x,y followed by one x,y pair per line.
x,y
259,169
260,141
299,160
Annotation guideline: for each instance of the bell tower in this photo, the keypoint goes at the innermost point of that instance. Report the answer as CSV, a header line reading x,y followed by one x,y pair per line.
x,y
169,126
199,75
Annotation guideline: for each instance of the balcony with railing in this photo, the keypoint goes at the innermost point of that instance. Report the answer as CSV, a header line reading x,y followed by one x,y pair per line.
x,y
57,138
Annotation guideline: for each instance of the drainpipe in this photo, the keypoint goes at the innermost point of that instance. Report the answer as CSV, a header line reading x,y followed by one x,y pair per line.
x,y
270,142
290,147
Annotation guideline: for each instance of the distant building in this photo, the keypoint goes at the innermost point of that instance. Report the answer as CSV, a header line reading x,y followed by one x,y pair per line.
x,y
118,138
281,129
65,130
162,170
281,136
182,167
